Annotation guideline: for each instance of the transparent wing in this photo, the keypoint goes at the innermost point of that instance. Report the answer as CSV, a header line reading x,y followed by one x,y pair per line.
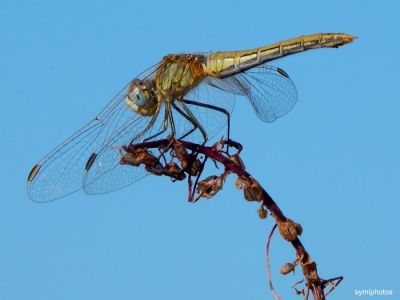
x,y
270,90
208,101
105,173
60,172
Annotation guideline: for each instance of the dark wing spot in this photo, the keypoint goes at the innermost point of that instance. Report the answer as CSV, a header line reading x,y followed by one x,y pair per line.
x,y
282,72
33,172
90,161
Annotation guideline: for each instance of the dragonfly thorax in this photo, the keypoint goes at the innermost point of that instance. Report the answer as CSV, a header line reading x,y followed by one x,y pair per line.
x,y
141,98
178,74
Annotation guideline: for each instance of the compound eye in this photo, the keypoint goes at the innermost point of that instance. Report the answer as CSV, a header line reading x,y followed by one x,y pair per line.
x,y
138,97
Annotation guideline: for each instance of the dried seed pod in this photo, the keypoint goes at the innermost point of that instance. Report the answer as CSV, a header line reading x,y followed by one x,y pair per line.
x,y
133,157
129,159
148,159
156,169
174,171
287,268
237,160
289,230
310,271
195,167
210,186
252,190
181,154
138,156
262,213
239,183
299,228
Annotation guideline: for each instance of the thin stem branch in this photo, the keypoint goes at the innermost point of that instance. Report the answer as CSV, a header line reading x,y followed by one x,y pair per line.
x,y
269,273
253,191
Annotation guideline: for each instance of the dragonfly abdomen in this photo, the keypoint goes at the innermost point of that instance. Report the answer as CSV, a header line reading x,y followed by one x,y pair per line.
x,y
223,64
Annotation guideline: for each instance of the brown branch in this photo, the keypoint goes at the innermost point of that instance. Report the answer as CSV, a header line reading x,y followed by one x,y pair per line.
x,y
289,230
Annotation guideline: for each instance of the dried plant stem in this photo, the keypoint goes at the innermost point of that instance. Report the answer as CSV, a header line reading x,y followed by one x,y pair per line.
x,y
269,273
288,229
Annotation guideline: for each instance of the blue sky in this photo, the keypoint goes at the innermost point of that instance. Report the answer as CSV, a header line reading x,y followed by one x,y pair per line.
x,y
332,163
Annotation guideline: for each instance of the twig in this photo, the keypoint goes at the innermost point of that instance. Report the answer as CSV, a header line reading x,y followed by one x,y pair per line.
x,y
269,273
288,229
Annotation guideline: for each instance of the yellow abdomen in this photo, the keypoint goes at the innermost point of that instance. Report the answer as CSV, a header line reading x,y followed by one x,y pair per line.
x,y
223,64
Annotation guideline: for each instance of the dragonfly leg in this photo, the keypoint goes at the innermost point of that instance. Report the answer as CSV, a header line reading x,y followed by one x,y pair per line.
x,y
187,118
151,123
171,120
217,108
195,121
165,126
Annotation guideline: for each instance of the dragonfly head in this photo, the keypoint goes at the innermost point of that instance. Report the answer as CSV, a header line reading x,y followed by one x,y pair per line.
x,y
141,97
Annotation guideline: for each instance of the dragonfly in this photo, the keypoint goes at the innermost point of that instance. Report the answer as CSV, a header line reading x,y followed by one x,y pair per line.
x,y
186,96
